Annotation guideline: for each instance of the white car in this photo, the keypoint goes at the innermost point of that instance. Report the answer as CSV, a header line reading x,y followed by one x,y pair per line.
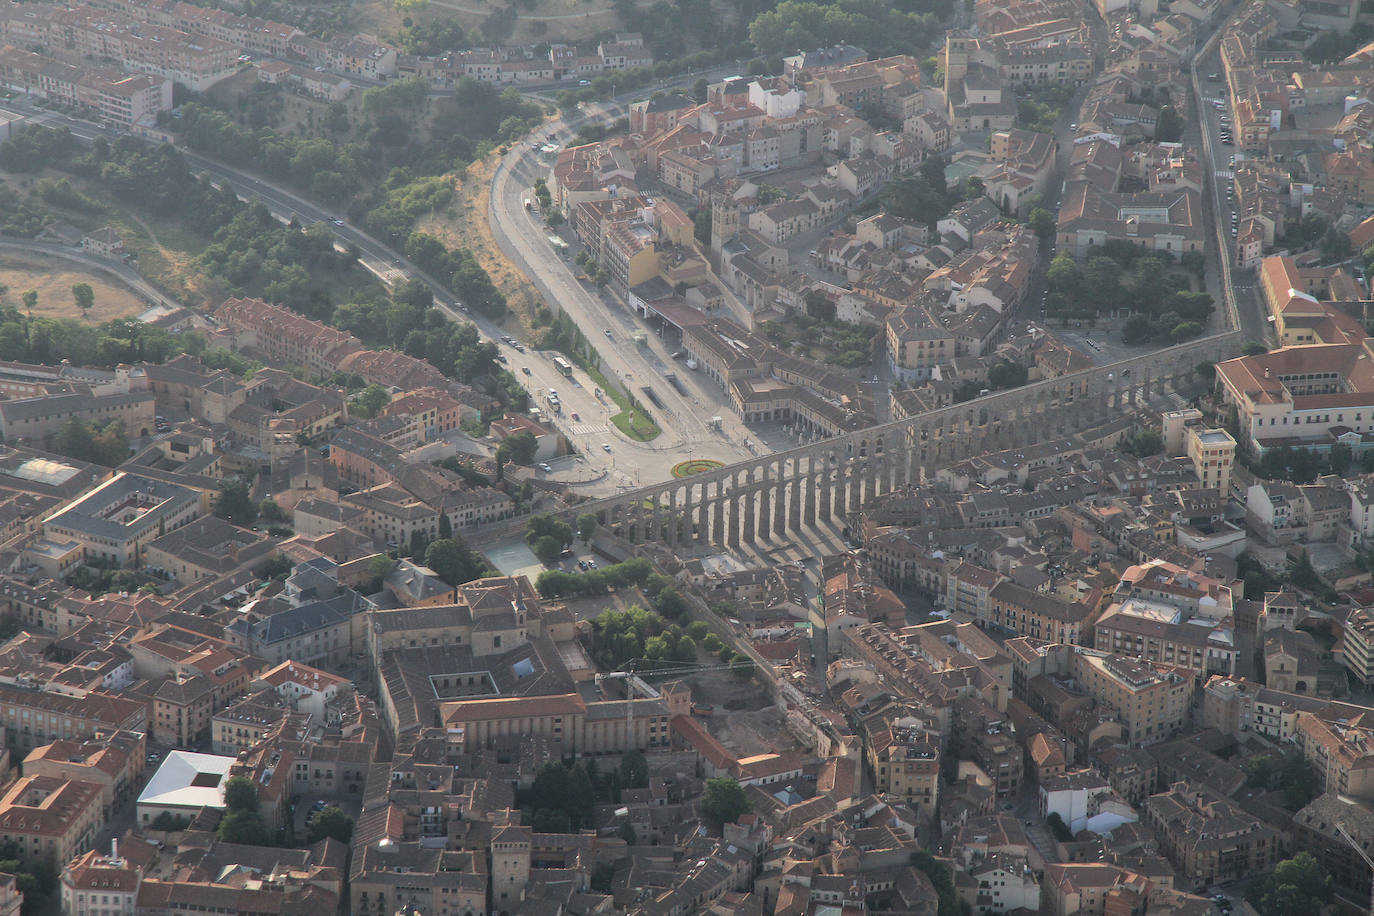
x,y
605,446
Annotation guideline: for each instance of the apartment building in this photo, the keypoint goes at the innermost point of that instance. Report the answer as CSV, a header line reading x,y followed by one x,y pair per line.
x,y
1341,750
1213,454
906,763
50,819
1158,632
100,883
284,337
1152,702
1356,648
32,718
112,762
1027,612
111,96
1210,839
195,61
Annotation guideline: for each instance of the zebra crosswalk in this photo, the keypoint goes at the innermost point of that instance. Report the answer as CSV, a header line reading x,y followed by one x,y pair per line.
x,y
588,429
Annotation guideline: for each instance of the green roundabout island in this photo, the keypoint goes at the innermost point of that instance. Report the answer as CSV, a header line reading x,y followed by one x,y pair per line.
x,y
696,466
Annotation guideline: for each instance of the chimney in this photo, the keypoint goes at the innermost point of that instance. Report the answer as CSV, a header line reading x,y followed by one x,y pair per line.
x,y
114,847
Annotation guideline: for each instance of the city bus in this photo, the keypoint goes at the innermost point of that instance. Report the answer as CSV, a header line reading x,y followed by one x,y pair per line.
x,y
563,366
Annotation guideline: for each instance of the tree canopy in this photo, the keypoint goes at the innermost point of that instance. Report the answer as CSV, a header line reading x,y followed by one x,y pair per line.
x,y
331,822
1296,885
724,800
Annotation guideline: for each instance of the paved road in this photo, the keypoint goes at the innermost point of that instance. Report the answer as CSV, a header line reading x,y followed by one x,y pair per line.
x,y
1249,304
686,418
685,415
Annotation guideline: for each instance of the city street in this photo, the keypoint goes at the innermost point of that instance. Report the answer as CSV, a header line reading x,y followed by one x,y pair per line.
x,y
1249,304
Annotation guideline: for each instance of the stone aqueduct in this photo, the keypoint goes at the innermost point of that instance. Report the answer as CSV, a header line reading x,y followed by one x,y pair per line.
x,y
825,480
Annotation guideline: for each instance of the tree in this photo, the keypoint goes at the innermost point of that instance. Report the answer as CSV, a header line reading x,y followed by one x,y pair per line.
x,y
445,526
634,770
1330,46
1042,223
234,503
30,300
241,794
1147,442
547,526
1335,244
1253,348
1007,374
1066,278
949,902
451,562
1296,885
724,800
699,90
84,296
913,197
519,448
819,305
75,440
331,823
627,833
1061,830
1185,330
1194,262
1298,782
1169,125
243,827
1340,458
547,549
373,399
670,604
1302,574
1259,772
378,568
586,526
1137,329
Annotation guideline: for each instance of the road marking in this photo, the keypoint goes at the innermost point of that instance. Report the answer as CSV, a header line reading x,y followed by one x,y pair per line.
x,y
588,429
1225,173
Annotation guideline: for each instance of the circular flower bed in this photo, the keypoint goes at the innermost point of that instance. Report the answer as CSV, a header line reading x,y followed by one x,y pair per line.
x,y
696,466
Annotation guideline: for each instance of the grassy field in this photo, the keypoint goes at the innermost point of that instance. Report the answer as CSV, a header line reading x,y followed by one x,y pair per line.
x,y
53,278
464,225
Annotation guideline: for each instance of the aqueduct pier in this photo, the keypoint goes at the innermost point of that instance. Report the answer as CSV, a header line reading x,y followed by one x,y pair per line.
x,y
791,490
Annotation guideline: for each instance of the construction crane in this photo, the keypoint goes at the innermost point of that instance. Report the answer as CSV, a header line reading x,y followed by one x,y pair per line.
x,y
1359,851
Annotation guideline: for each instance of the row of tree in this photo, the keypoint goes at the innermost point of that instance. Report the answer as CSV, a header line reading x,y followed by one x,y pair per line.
x,y
556,583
